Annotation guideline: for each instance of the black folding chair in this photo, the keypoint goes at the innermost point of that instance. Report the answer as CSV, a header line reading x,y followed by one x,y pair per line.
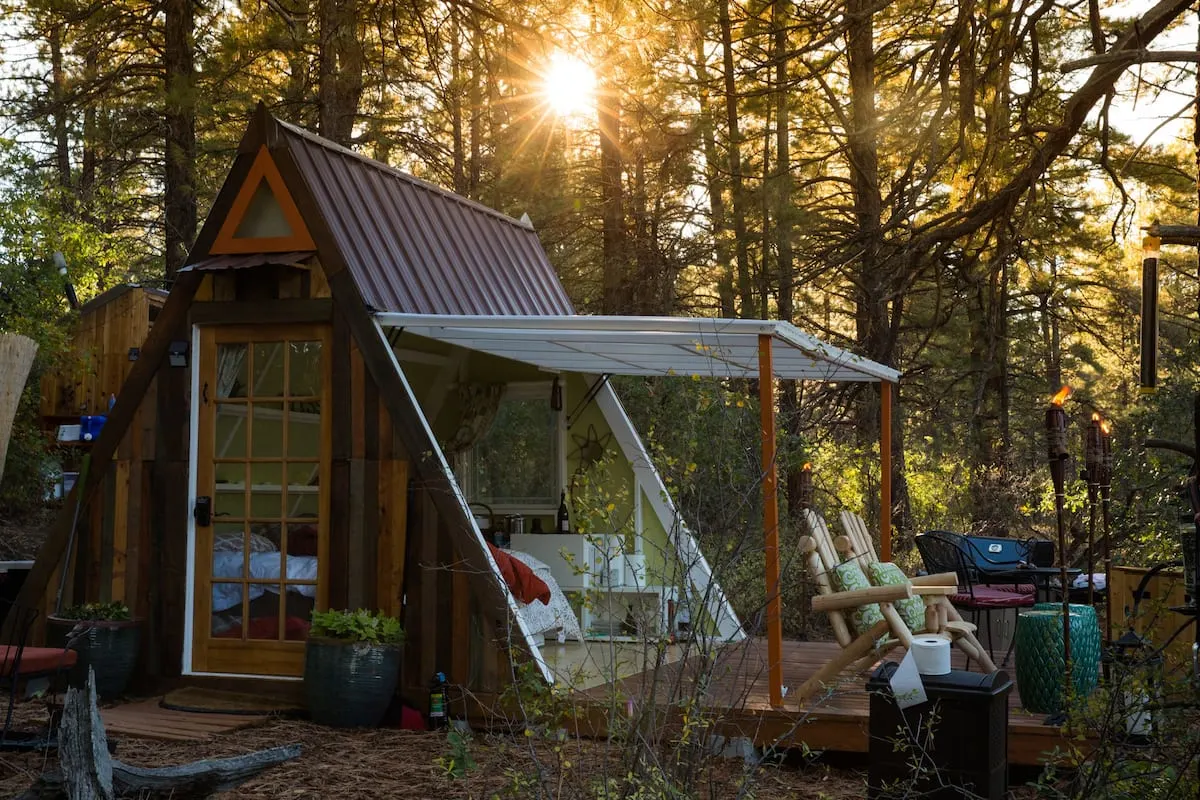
x,y
943,551
20,665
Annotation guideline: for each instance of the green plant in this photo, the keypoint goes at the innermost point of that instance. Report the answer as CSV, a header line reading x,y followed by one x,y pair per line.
x,y
373,627
458,761
97,612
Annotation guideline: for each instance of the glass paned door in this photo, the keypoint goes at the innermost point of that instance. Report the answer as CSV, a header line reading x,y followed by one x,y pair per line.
x,y
262,462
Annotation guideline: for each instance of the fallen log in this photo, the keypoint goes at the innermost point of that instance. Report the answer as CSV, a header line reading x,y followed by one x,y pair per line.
x,y
86,771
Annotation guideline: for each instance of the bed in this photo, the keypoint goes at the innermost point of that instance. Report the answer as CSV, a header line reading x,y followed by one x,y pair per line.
x,y
262,597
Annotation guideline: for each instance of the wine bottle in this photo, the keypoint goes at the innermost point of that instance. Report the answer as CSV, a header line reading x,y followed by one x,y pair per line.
x,y
563,524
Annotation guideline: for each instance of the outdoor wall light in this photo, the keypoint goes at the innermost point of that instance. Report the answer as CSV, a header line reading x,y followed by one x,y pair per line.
x,y
556,396
177,354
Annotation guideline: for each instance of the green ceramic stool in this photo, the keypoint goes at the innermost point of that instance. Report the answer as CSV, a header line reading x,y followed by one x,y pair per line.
x,y
1085,646
1040,663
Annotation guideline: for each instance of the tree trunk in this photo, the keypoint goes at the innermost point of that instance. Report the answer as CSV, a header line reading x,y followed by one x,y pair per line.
x,y
58,88
458,146
715,184
745,288
180,151
340,69
612,213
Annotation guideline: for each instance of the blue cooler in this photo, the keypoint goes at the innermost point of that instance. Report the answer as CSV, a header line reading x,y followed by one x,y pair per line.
x,y
89,427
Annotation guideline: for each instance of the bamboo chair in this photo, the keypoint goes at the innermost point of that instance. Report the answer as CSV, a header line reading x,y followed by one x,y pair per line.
x,y
861,651
857,543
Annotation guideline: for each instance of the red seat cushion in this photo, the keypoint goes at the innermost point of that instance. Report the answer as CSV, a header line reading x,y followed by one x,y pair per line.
x,y
991,597
35,660
1020,588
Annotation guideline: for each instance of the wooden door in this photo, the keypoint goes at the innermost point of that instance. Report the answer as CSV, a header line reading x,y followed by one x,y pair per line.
x,y
262,460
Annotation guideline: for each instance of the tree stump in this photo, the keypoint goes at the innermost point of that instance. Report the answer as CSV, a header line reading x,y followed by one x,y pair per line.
x,y
86,771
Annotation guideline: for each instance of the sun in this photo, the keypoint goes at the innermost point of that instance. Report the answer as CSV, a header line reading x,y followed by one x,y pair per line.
x,y
569,86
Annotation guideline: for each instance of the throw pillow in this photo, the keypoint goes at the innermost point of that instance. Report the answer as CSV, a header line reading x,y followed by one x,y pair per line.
x,y
912,609
848,577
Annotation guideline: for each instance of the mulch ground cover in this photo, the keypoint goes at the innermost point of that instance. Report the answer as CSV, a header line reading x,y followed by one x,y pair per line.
x,y
388,763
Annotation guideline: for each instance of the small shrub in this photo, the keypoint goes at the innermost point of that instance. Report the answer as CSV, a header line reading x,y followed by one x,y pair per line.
x,y
97,612
373,627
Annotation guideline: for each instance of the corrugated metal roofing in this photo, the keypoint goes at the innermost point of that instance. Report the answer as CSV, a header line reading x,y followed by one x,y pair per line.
x,y
216,263
415,248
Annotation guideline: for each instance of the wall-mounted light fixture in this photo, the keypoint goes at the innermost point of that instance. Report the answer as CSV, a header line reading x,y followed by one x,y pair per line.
x,y
60,261
556,398
177,354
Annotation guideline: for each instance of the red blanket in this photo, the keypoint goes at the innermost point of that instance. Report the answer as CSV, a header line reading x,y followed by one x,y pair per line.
x,y
523,582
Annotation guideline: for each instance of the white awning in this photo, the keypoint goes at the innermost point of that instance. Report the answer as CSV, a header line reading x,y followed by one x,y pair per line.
x,y
718,348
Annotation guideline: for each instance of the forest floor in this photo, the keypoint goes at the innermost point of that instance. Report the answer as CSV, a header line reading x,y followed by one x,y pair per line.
x,y
390,763
21,539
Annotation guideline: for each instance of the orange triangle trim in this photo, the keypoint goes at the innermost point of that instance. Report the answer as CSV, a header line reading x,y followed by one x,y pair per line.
x,y
227,243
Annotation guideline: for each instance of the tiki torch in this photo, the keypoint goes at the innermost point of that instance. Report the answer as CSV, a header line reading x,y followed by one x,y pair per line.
x,y
804,486
1093,456
1106,468
1148,344
1056,454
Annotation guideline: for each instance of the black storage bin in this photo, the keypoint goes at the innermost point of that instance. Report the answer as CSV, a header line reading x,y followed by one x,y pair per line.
x,y
965,749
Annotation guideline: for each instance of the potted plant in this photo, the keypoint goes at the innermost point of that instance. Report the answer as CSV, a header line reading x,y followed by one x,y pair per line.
x,y
351,667
107,639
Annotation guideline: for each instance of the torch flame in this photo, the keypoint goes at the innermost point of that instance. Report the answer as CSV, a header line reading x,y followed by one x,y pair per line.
x,y
807,466
1095,416
1106,426
1061,396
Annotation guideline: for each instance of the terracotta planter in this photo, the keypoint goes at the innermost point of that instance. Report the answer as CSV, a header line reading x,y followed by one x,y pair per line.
x,y
350,684
109,647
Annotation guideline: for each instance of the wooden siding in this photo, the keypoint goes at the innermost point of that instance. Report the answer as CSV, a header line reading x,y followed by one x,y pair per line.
x,y
100,359
390,547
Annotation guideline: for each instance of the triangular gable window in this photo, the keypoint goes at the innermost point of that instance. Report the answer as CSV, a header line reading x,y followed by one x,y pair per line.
x,y
264,217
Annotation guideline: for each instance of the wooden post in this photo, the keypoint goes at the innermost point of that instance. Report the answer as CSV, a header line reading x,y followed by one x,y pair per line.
x,y
885,469
766,400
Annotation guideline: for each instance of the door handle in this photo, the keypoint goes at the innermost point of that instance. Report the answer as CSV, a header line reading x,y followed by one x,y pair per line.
x,y
203,511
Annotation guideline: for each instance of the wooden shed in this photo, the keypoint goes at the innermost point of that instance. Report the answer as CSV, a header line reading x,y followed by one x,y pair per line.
x,y
282,462
320,439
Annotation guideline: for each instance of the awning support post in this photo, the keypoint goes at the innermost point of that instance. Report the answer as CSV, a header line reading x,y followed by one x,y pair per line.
x,y
885,468
766,401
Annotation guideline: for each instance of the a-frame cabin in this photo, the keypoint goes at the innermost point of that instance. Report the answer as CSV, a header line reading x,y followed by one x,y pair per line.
x,y
291,465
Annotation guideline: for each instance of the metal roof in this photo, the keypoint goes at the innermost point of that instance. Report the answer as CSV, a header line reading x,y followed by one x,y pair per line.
x,y
218,263
413,247
719,348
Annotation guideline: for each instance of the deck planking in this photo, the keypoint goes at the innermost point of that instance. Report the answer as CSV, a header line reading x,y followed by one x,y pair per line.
x,y
147,719
737,696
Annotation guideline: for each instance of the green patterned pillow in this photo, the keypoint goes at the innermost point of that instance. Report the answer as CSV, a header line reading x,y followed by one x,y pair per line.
x,y
912,609
848,577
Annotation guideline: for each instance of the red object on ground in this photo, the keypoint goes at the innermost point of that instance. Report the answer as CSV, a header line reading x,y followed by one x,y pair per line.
x,y
523,582
36,660
411,719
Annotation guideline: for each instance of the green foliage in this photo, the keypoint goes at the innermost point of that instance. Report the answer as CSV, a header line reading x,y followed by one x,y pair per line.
x,y
373,627
107,612
458,760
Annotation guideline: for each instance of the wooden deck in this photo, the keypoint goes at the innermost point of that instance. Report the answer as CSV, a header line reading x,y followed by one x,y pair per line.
x,y
737,689
148,720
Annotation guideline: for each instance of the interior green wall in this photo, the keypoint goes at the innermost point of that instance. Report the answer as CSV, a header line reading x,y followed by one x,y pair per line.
x,y
613,483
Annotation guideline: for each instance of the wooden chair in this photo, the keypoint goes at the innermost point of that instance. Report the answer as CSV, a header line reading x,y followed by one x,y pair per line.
x,y
861,650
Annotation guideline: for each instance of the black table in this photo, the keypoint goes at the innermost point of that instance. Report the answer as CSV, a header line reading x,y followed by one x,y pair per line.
x,y
1039,576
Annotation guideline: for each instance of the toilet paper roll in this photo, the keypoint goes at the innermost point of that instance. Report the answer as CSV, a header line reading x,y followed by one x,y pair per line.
x,y
932,654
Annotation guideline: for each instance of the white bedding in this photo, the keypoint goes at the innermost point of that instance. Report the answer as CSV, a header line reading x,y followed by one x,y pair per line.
x,y
263,566
540,617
